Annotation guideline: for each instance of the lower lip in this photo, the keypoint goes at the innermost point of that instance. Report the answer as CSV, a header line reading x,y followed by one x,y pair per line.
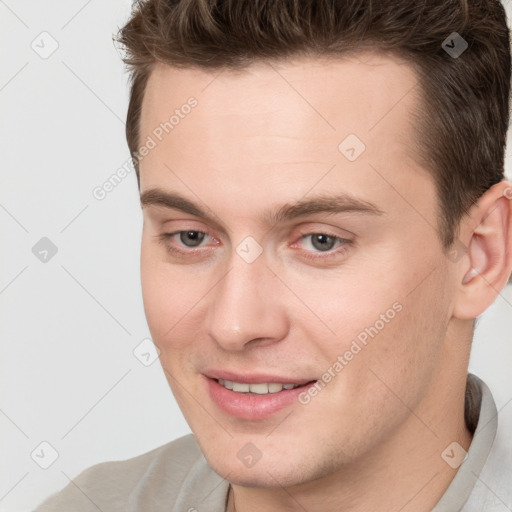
x,y
253,407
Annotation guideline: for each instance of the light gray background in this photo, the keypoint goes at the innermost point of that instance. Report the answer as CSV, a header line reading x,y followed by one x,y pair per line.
x,y
69,376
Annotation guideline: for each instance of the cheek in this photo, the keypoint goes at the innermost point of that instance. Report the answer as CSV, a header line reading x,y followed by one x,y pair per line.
x,y
152,291
390,330
162,294
403,358
169,300
337,310
172,296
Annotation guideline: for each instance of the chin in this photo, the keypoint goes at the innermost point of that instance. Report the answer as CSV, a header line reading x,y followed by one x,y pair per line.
x,y
264,473
262,478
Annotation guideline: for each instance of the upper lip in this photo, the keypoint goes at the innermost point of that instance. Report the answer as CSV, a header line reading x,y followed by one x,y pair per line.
x,y
253,378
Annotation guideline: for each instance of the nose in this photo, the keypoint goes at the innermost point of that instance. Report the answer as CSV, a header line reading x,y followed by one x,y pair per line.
x,y
246,308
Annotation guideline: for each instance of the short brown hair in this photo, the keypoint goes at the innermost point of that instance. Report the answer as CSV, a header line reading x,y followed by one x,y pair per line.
x,y
461,122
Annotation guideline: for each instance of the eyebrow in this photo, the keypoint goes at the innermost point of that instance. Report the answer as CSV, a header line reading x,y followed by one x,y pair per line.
x,y
326,203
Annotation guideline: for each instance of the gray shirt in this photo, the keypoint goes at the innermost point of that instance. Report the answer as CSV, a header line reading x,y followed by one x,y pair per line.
x,y
176,477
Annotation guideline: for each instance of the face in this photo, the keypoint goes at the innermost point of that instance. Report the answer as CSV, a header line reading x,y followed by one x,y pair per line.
x,y
289,238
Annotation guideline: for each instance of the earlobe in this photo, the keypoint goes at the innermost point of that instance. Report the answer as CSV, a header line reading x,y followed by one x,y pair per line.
x,y
488,231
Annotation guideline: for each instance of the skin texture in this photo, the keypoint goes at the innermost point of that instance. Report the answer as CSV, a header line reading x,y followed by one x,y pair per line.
x,y
372,438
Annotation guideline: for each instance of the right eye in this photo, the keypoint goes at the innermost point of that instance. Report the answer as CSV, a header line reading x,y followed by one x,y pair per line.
x,y
180,241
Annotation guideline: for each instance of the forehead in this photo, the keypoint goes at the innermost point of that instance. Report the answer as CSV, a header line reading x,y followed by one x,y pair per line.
x,y
356,91
282,125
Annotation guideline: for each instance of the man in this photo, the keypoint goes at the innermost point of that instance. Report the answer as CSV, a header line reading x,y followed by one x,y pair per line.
x,y
325,216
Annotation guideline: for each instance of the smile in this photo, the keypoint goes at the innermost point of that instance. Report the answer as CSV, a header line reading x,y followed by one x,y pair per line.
x,y
254,401
262,388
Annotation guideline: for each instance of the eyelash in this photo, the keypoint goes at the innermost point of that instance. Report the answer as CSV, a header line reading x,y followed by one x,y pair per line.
x,y
166,237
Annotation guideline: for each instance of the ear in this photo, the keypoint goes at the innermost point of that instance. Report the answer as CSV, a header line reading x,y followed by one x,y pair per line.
x,y
486,234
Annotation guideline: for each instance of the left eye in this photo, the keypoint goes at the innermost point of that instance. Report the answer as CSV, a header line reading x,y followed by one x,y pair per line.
x,y
322,241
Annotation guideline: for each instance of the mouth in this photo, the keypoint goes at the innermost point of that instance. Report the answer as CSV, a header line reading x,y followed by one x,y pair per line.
x,y
260,388
255,400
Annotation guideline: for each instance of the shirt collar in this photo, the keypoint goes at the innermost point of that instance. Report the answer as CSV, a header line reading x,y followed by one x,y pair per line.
x,y
480,410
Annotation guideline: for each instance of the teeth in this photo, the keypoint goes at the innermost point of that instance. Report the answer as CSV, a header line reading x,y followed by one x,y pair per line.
x,y
260,389
241,388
